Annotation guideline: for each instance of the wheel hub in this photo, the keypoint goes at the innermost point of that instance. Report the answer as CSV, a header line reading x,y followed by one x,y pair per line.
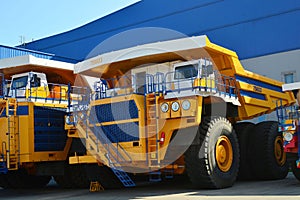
x,y
224,153
280,155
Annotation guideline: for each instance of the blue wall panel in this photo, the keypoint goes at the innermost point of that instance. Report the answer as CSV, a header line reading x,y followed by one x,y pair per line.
x,y
249,27
9,52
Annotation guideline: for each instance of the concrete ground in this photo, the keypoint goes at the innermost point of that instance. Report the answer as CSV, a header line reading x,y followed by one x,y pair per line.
x,y
288,188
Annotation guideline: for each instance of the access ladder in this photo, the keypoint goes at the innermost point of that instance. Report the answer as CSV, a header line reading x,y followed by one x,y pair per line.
x,y
12,153
152,137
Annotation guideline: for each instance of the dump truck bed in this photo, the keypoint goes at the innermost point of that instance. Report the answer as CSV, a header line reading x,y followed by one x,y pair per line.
x,y
55,70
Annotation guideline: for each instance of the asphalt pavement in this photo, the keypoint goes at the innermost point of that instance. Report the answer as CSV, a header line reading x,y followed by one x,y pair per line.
x,y
288,188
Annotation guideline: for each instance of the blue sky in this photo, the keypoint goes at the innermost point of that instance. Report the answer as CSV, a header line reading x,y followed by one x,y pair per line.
x,y
36,19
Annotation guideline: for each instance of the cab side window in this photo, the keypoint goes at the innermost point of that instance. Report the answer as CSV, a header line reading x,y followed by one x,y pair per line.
x,y
35,81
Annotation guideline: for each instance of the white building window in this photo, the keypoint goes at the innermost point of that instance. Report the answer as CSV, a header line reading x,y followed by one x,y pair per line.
x,y
288,77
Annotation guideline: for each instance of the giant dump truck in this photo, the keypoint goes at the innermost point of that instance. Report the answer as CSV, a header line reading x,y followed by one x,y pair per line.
x,y
34,100
288,119
177,107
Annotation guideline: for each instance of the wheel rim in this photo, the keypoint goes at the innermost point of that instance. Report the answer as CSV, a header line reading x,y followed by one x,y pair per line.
x,y
280,155
224,153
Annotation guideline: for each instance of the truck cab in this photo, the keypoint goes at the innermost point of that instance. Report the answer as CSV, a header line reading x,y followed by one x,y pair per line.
x,y
186,76
30,84
33,86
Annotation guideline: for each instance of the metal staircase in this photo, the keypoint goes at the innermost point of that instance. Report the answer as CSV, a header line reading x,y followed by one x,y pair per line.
x,y
111,154
12,153
152,137
118,171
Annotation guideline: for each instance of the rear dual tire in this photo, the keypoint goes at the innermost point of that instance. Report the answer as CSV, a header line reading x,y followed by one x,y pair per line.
x,y
262,153
268,159
295,170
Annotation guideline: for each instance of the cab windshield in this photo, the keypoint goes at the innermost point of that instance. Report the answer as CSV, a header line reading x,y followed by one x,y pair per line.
x,y
19,82
186,71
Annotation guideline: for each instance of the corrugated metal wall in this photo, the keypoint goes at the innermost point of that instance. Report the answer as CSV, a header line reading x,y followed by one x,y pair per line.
x,y
9,52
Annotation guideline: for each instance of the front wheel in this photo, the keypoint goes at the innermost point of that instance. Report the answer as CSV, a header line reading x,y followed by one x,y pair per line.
x,y
214,161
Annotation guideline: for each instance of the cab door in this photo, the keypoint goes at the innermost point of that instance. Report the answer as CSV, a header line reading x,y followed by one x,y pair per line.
x,y
18,87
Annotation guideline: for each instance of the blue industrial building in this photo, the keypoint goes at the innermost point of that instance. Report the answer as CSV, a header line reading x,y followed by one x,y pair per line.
x,y
252,28
265,34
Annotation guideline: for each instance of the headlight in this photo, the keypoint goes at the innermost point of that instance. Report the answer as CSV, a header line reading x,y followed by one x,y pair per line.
x,y
175,106
186,104
287,136
164,107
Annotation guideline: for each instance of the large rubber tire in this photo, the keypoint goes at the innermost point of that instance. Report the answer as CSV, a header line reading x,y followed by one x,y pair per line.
x,y
243,131
4,181
268,159
74,177
21,179
202,163
104,175
295,170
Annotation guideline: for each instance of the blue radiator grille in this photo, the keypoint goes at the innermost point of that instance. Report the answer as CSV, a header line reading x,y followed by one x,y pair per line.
x,y
126,132
116,111
49,132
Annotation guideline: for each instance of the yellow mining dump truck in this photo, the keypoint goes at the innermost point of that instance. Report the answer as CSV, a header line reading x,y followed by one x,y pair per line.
x,y
176,107
34,100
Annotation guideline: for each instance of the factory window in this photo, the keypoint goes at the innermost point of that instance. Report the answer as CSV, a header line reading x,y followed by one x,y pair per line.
x,y
289,77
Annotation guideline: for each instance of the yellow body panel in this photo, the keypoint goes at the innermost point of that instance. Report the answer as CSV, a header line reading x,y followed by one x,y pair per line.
x,y
24,133
168,123
39,92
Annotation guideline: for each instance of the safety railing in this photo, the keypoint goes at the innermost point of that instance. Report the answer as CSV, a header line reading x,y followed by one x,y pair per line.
x,y
207,82
287,112
212,83
226,85
125,85
149,84
173,84
83,115
159,79
78,101
50,93
122,85
287,115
